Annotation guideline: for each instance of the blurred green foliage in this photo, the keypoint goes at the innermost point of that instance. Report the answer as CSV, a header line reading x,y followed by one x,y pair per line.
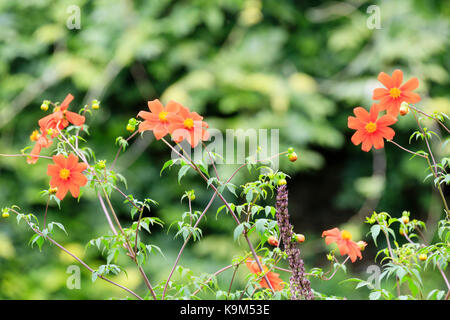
x,y
298,66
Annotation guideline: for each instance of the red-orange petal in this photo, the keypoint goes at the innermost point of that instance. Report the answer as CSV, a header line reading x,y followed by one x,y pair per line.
x,y
155,106
386,80
361,114
397,78
75,118
410,85
410,97
67,100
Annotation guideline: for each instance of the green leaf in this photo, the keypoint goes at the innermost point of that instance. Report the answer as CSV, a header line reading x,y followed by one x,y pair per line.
x,y
166,164
375,231
183,170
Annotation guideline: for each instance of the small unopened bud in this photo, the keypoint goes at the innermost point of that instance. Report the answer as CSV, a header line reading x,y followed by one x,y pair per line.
x,y
405,219
273,241
130,128
44,107
403,232
282,182
34,135
5,213
404,108
362,245
423,257
291,150
95,104
292,157
300,238
101,164
52,190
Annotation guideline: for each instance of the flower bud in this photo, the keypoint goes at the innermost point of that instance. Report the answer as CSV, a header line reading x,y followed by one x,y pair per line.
x,y
422,257
292,157
34,136
101,164
130,128
362,245
273,241
53,190
405,219
95,104
291,150
403,232
44,107
300,238
5,213
404,108
282,182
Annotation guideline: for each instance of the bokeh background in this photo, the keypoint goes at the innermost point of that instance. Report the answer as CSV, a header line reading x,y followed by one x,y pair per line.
x,y
299,66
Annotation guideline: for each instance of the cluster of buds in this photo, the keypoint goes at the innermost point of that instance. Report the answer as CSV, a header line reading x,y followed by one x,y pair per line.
x,y
190,194
131,126
52,190
101,164
300,285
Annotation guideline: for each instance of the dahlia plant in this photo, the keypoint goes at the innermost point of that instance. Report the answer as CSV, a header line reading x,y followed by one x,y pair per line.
x,y
266,230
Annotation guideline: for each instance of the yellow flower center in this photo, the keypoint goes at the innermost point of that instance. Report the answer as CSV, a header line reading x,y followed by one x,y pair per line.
x,y
34,135
371,127
188,123
163,116
395,92
64,174
346,235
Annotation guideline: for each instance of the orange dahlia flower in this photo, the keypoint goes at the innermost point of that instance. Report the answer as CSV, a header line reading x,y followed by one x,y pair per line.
x,y
370,130
41,142
273,277
61,117
344,242
156,120
66,175
395,93
187,125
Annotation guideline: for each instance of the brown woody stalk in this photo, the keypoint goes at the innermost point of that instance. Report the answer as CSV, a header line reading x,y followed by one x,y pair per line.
x,y
300,285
